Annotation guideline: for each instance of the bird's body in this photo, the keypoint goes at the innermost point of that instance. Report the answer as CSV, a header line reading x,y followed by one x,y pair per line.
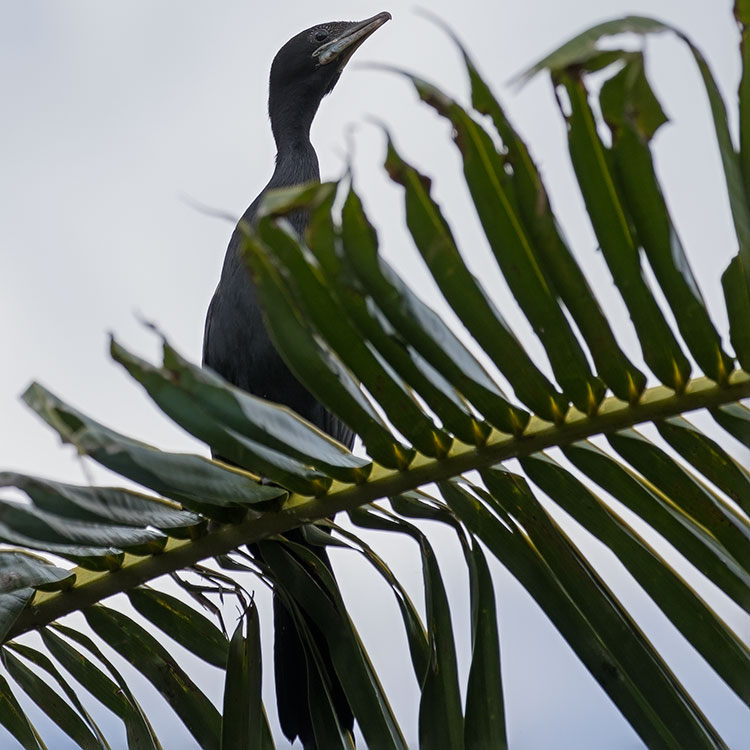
x,y
236,343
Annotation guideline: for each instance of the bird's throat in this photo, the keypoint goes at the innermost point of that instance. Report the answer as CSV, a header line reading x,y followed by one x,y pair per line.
x,y
296,163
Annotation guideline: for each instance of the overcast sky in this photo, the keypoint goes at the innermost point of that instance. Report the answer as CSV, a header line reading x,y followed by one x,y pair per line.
x,y
113,114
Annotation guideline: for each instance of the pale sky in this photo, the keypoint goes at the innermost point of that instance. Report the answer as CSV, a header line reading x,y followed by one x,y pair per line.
x,y
113,112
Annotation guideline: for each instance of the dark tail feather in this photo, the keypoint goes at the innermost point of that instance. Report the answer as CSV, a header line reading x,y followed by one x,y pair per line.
x,y
290,668
290,675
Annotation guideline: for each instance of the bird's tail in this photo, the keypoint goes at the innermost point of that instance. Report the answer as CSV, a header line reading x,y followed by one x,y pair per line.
x,y
292,661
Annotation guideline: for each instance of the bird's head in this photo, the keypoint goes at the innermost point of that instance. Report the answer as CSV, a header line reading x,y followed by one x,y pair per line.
x,y
309,65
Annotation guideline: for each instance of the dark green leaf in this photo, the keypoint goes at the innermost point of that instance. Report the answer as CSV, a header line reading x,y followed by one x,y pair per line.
x,y
693,541
88,674
420,325
496,204
587,614
11,606
189,628
139,732
465,294
150,658
737,297
93,558
244,725
584,46
708,457
206,486
97,504
440,717
742,14
19,569
437,392
592,165
633,115
51,703
49,527
101,687
419,504
14,719
484,724
40,660
735,419
738,196
269,424
325,722
307,195
552,252
316,303
224,441
693,499
316,365
319,598
700,625
508,545
415,630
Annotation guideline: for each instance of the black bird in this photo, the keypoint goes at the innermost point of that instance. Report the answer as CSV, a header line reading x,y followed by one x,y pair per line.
x,y
236,344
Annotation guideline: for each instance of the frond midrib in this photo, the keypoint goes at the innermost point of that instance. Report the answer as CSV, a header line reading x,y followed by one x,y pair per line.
x,y
656,403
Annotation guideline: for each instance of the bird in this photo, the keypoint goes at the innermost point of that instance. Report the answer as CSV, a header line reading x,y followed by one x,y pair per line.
x,y
236,344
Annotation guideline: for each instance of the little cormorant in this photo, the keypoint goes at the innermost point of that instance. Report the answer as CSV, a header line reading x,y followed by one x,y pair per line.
x,y
236,344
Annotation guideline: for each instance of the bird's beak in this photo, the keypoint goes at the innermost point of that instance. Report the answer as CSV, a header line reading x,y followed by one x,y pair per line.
x,y
344,45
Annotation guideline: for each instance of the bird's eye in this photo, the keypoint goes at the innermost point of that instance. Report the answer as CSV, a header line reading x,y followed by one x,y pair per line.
x,y
321,36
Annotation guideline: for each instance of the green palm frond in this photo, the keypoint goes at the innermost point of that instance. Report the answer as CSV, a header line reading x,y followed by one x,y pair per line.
x,y
438,431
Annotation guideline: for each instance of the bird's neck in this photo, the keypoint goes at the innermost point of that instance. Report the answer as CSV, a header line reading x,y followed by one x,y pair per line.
x,y
292,110
296,162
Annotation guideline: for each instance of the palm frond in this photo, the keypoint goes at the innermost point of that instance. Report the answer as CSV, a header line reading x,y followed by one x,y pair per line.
x,y
429,411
